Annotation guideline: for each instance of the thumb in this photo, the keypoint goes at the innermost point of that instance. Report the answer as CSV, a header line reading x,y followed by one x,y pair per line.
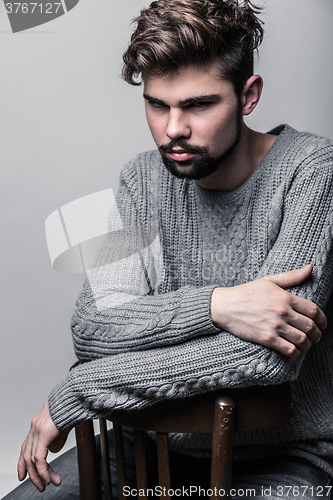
x,y
291,278
59,442
55,478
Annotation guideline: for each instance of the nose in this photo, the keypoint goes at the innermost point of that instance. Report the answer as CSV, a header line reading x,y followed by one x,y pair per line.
x,y
177,125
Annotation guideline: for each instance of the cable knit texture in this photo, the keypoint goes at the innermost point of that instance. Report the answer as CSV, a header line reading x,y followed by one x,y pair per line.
x,y
142,325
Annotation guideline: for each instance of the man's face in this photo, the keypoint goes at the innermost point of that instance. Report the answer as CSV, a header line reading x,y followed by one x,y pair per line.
x,y
195,119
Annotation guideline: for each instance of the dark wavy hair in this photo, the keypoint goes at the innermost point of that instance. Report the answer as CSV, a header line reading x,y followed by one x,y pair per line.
x,y
174,33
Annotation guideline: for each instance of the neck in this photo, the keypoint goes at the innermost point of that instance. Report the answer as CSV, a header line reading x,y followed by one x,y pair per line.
x,y
241,163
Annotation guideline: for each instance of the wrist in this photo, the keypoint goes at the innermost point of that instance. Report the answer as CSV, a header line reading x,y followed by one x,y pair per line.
x,y
217,310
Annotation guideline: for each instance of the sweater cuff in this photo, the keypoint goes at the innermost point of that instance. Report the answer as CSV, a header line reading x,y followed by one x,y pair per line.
x,y
194,311
65,409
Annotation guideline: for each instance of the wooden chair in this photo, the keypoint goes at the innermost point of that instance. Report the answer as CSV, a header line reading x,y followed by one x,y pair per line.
x,y
217,413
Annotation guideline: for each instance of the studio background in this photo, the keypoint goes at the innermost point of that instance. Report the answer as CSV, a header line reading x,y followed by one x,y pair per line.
x,y
68,124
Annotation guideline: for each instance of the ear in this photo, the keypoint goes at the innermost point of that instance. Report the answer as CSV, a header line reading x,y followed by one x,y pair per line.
x,y
251,93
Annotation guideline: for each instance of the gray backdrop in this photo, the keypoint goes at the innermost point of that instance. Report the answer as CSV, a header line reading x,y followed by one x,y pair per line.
x,y
68,124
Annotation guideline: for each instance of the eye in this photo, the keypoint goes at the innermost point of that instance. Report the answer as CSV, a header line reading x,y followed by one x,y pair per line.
x,y
199,105
202,104
156,105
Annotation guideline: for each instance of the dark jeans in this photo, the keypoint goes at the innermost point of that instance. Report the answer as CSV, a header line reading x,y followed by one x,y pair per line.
x,y
275,478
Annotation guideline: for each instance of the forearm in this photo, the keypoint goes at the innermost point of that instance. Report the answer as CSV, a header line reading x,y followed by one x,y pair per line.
x,y
146,323
135,379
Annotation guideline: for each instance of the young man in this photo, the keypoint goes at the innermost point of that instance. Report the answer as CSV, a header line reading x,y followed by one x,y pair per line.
x,y
188,293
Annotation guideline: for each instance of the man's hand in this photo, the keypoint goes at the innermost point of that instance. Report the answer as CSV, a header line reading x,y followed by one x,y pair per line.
x,y
261,311
43,436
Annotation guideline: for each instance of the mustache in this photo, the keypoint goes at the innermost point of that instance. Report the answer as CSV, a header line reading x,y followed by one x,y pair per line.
x,y
181,144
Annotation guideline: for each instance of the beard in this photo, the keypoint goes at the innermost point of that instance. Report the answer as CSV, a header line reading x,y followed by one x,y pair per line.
x,y
204,166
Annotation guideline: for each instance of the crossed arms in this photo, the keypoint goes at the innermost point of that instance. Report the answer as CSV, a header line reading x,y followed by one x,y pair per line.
x,y
138,367
283,321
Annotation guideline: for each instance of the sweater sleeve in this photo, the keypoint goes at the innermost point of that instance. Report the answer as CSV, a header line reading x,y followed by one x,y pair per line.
x,y
134,379
119,308
305,235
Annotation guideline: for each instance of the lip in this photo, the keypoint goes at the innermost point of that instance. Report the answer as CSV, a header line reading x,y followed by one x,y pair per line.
x,y
181,155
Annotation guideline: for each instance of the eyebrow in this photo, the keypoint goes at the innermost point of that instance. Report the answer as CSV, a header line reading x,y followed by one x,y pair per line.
x,y
153,100
184,102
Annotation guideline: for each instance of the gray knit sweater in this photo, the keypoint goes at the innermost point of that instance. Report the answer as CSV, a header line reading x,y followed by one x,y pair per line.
x,y
142,320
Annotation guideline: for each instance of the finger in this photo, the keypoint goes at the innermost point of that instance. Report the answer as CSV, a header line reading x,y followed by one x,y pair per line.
x,y
44,470
55,478
42,467
287,340
34,477
21,468
309,310
306,327
291,278
40,451
280,344
300,340
47,474
30,457
32,471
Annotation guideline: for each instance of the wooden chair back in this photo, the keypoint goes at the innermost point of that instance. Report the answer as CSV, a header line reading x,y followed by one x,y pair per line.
x,y
218,413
